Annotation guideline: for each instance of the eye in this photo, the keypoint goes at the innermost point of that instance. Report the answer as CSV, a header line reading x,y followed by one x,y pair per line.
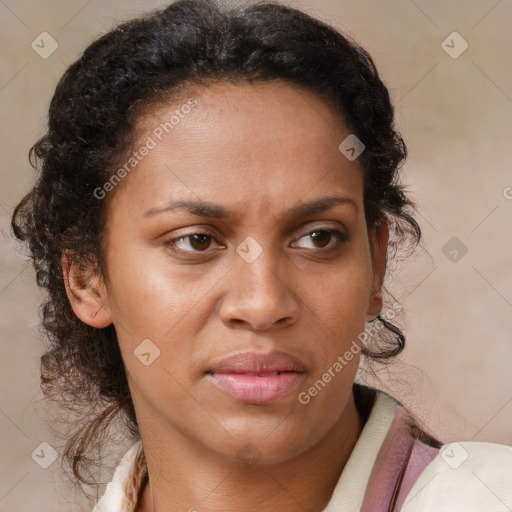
x,y
323,237
195,242
324,240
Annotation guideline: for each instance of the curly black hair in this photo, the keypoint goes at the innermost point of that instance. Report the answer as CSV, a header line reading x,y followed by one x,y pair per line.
x,y
91,124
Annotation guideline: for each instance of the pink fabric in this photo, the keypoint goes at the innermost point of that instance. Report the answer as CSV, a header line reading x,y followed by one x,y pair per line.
x,y
399,463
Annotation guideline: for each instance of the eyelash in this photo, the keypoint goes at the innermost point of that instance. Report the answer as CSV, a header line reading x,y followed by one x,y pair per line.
x,y
340,236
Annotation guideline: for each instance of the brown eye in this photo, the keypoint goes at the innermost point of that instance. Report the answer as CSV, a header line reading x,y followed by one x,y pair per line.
x,y
200,241
322,239
195,242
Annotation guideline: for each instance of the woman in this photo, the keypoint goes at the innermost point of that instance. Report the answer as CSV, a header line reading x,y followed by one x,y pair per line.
x,y
217,202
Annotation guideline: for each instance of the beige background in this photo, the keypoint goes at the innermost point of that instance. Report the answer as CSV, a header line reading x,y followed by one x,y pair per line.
x,y
456,117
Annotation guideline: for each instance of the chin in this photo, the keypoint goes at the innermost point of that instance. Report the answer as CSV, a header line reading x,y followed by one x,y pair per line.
x,y
269,444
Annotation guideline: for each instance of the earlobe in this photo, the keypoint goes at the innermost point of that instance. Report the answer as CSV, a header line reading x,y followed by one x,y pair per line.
x,y
85,293
380,247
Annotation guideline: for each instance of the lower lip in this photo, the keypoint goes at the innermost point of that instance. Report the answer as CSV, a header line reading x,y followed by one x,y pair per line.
x,y
255,389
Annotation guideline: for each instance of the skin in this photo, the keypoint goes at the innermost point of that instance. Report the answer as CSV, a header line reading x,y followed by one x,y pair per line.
x,y
258,150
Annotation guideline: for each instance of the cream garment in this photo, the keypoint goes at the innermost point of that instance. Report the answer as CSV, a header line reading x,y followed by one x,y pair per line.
x,y
465,477
469,477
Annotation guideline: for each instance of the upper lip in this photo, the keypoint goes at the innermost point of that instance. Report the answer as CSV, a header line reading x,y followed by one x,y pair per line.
x,y
249,362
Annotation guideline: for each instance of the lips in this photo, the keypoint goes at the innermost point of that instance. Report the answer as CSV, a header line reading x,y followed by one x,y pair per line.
x,y
257,378
256,362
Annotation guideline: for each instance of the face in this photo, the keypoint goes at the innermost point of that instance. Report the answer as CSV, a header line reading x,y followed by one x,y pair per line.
x,y
239,269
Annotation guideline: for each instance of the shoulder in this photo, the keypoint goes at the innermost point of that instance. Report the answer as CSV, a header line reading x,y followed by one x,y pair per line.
x,y
465,476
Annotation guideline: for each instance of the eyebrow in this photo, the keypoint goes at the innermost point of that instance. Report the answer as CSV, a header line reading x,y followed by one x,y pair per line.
x,y
216,211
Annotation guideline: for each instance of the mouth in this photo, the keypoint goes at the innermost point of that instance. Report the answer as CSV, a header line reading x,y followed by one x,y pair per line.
x,y
256,378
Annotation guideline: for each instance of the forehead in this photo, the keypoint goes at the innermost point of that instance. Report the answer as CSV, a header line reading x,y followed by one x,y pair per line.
x,y
244,142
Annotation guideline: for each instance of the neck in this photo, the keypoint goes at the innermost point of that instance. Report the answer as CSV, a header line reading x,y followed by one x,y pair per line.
x,y
184,479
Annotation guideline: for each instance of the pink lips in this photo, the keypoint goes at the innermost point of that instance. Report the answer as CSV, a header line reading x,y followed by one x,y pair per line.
x,y
256,378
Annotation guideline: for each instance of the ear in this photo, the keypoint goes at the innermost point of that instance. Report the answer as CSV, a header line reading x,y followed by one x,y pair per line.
x,y
380,238
86,293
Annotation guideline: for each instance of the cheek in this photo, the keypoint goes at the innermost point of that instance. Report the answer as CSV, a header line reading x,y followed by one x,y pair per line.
x,y
342,304
149,294
349,308
156,323
340,307
152,299
342,298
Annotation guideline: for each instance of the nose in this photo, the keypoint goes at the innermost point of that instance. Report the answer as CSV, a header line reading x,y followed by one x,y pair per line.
x,y
258,297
